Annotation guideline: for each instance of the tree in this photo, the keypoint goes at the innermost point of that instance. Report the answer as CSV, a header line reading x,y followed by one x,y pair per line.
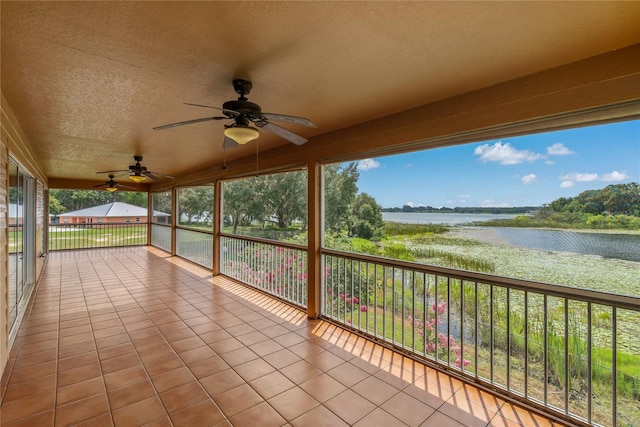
x,y
284,196
55,207
340,189
240,204
195,202
365,219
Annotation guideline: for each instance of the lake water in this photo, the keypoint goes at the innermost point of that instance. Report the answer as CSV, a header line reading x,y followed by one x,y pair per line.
x,y
620,246
441,218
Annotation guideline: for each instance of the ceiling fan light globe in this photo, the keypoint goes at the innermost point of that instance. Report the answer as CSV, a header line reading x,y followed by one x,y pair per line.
x,y
136,178
111,189
241,134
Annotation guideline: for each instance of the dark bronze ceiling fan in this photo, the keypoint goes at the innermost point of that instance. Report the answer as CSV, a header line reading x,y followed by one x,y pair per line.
x,y
138,173
112,185
242,113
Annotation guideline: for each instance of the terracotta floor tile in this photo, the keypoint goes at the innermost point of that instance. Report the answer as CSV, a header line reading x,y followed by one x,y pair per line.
x,y
79,391
35,358
20,390
74,362
171,379
238,400
121,362
99,421
159,366
182,397
319,417
323,387
301,371
82,410
271,384
109,332
76,339
440,419
349,406
124,376
208,366
408,409
43,419
204,413
226,346
139,413
262,415
154,352
112,340
289,339
130,393
293,403
348,374
38,347
221,382
253,369
215,336
115,351
179,334
33,371
197,354
380,417
79,374
239,356
76,349
282,358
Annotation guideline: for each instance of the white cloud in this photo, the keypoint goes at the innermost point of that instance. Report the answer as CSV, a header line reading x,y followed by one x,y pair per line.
x,y
529,178
580,177
566,184
558,149
615,176
505,154
414,205
366,164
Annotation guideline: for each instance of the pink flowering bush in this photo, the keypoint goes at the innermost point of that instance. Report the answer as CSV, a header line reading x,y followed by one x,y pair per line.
x,y
433,340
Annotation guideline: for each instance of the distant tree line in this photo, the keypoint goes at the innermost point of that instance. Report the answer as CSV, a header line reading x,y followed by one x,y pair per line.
x,y
470,210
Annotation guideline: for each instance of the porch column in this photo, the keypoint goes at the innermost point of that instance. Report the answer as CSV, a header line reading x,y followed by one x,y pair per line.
x,y
314,232
217,221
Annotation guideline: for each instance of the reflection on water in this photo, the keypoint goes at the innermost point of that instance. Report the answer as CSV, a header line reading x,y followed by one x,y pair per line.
x,y
620,246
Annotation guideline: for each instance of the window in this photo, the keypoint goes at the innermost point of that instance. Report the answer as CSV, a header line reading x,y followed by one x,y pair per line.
x,y
195,207
270,206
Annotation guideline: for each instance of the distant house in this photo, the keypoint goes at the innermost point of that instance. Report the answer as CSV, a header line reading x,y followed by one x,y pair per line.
x,y
115,212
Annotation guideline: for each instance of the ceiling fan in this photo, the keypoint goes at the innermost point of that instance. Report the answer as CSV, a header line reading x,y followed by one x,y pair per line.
x,y
243,112
111,185
139,173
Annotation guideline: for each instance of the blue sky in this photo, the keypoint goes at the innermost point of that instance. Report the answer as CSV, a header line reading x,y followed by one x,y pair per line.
x,y
521,171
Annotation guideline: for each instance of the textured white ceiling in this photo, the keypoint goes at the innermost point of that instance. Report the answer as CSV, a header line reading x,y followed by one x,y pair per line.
x,y
88,80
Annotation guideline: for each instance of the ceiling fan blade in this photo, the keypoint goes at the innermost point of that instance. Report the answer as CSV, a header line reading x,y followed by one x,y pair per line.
x,y
116,171
100,185
157,175
229,143
188,122
231,113
289,119
285,133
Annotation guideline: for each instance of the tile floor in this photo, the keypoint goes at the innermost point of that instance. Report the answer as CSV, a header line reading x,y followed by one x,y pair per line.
x,y
131,337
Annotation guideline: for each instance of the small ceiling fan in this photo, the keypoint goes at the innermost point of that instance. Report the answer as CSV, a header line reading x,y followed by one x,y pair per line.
x,y
243,112
111,185
139,173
